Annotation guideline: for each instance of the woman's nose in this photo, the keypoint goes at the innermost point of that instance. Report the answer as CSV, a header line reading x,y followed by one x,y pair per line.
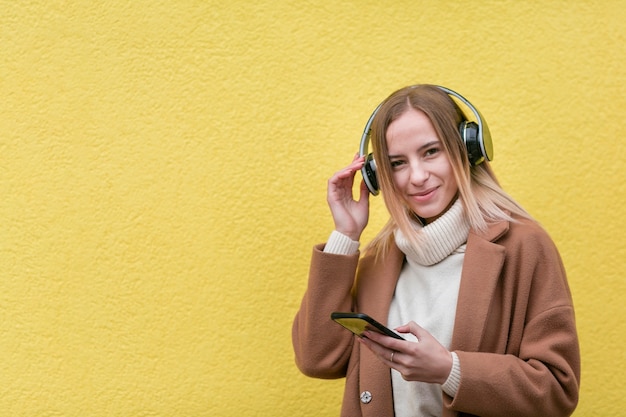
x,y
418,174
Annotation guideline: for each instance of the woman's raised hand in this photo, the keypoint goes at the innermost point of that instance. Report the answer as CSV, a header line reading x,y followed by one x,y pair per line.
x,y
350,216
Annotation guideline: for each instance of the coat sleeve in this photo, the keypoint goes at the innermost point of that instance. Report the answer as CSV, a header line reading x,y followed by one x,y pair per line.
x,y
322,348
537,371
542,381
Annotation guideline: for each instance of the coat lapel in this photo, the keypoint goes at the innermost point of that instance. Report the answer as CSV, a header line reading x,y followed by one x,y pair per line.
x,y
376,287
481,271
378,283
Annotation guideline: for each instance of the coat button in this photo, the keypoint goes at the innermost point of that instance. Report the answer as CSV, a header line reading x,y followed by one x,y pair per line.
x,y
366,397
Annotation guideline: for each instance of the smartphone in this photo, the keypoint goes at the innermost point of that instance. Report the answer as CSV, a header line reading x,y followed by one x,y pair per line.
x,y
357,323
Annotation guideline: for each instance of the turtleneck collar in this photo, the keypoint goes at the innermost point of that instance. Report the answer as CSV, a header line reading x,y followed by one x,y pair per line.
x,y
438,239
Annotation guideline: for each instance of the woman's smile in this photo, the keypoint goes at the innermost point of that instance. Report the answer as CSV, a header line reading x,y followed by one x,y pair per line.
x,y
423,195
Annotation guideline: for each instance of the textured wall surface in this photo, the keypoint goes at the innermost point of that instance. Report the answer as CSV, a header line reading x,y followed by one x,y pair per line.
x,y
163,168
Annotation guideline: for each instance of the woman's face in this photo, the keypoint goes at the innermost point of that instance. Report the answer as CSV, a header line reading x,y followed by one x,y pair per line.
x,y
421,169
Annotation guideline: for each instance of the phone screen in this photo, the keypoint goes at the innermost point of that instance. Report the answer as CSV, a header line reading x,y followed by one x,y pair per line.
x,y
357,323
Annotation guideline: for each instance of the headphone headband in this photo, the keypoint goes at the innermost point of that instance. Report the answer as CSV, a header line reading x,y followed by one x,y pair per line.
x,y
475,136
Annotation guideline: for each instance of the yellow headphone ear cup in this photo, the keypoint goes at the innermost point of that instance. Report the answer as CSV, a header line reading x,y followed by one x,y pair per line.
x,y
475,134
369,174
369,168
469,134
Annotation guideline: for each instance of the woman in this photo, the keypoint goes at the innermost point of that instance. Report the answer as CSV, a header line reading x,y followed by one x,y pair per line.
x,y
475,286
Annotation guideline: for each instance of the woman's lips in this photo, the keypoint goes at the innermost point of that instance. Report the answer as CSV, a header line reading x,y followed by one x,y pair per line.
x,y
424,195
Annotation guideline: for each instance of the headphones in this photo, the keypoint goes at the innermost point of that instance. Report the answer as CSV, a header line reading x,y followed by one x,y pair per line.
x,y
475,136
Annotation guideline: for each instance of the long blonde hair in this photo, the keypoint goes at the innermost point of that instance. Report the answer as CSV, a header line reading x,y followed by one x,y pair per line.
x,y
484,201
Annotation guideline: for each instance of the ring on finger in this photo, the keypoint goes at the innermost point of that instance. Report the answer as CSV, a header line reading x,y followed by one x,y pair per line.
x,y
392,353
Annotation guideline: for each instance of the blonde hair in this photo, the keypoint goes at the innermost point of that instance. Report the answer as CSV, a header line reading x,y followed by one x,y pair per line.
x,y
484,201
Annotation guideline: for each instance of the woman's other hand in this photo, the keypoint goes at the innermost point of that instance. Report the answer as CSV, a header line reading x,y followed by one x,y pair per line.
x,y
426,360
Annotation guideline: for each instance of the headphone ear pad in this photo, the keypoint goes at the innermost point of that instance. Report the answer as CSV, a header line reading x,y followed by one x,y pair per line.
x,y
369,174
471,139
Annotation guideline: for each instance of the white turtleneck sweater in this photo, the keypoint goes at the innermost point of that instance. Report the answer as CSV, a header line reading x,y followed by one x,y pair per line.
x,y
426,293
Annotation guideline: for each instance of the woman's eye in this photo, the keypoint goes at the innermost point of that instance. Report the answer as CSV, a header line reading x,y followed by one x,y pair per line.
x,y
432,151
395,164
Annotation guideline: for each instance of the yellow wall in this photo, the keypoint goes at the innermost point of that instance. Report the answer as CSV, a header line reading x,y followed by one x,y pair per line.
x,y
163,168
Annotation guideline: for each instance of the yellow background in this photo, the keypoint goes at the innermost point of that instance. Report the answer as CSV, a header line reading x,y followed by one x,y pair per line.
x,y
163,172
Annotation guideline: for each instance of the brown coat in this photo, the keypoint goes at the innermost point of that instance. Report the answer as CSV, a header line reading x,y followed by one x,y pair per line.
x,y
514,332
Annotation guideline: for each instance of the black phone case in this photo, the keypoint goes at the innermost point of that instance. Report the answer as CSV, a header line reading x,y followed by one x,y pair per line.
x,y
357,323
